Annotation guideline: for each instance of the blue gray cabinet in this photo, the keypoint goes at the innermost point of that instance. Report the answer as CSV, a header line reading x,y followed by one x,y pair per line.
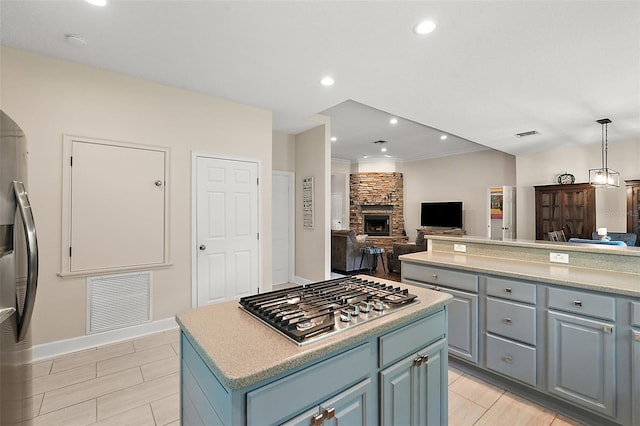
x,y
410,389
340,387
579,347
635,361
582,364
463,311
348,407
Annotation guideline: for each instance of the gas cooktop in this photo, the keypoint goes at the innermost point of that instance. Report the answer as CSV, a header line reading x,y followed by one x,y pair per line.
x,y
311,312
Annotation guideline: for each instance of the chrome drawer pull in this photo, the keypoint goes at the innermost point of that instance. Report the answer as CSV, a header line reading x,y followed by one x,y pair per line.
x,y
636,336
507,359
507,290
608,329
577,303
507,320
434,276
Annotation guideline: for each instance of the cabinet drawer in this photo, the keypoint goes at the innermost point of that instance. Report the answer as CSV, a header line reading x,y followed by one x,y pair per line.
x,y
410,338
511,359
511,320
594,305
511,290
265,405
635,314
439,276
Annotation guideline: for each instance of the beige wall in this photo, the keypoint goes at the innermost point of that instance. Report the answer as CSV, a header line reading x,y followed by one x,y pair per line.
x,y
284,152
49,97
543,168
313,254
466,178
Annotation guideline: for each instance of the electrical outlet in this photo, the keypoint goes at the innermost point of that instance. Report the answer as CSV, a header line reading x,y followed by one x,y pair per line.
x,y
559,257
462,248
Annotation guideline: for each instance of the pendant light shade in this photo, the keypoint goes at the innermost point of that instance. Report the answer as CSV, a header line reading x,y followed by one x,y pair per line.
x,y
604,176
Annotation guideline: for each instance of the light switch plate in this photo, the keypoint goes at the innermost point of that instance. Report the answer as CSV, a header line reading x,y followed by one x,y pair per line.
x,y
559,257
462,248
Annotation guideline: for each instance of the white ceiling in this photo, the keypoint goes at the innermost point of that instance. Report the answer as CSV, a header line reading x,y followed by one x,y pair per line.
x,y
490,70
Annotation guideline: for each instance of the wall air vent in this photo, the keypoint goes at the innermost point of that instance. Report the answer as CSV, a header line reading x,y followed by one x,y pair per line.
x,y
529,133
380,141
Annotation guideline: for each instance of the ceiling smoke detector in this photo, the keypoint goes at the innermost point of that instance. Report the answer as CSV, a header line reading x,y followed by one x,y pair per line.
x,y
529,133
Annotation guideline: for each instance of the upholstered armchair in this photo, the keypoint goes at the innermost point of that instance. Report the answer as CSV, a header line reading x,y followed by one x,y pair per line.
x,y
398,249
345,251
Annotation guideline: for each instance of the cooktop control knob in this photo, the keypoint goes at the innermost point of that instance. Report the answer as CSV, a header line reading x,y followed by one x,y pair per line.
x,y
345,316
365,307
379,305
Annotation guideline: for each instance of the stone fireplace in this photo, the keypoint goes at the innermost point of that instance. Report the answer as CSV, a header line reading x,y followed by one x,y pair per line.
x,y
377,207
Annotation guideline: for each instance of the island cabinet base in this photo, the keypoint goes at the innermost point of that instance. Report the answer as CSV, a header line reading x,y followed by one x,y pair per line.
x,y
359,384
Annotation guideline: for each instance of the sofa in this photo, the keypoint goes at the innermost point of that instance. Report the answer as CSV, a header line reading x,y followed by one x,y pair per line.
x,y
345,251
629,238
398,249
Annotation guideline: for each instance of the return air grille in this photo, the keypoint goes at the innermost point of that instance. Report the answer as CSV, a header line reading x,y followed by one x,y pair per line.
x,y
118,301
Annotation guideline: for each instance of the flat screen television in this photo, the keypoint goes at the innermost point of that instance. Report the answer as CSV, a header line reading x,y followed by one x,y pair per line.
x,y
444,214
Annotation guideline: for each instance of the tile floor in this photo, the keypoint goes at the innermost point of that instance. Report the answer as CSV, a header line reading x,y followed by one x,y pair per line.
x,y
136,382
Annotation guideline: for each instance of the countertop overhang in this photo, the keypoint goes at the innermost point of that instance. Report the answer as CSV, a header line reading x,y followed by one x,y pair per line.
x,y
241,350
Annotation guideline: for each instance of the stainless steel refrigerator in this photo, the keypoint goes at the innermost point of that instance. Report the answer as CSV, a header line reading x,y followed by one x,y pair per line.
x,y
18,277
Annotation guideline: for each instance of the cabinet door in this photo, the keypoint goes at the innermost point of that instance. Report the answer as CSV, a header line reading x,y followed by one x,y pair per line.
x,y
350,407
463,325
635,375
570,208
633,207
432,387
413,390
581,356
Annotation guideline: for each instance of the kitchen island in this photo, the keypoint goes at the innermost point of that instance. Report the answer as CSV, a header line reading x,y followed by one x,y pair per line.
x,y
237,370
558,323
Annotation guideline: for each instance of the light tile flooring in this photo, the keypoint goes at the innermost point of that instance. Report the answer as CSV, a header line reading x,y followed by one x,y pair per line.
x,y
137,383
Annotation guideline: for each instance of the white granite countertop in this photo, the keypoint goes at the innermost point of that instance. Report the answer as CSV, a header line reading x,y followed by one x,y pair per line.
x,y
242,351
626,284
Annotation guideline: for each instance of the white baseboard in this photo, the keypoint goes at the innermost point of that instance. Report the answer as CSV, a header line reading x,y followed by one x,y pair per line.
x,y
61,347
302,281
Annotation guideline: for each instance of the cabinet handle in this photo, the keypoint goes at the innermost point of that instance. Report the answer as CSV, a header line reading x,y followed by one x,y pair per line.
x,y
507,290
608,329
436,288
417,361
158,183
507,359
577,303
317,420
424,359
507,320
636,336
329,413
434,276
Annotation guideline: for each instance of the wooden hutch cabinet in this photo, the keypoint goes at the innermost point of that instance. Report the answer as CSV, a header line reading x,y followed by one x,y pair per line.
x,y
570,208
633,207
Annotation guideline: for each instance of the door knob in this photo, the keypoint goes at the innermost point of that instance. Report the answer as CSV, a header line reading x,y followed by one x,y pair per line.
x,y
202,247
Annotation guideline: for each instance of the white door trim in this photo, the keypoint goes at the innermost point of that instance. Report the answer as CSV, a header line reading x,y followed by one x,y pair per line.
x,y
194,236
292,224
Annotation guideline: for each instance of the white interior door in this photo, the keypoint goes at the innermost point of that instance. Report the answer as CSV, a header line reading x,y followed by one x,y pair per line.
x,y
336,210
282,228
226,229
508,212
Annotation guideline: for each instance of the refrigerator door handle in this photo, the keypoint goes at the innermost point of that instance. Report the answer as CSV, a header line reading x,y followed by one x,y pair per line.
x,y
24,207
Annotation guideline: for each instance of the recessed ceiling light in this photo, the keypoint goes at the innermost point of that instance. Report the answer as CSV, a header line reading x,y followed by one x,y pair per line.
x,y
387,155
97,2
75,40
424,27
365,156
383,149
443,137
333,139
327,81
393,121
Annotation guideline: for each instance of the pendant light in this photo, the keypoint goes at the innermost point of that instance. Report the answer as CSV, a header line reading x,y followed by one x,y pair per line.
x,y
604,176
